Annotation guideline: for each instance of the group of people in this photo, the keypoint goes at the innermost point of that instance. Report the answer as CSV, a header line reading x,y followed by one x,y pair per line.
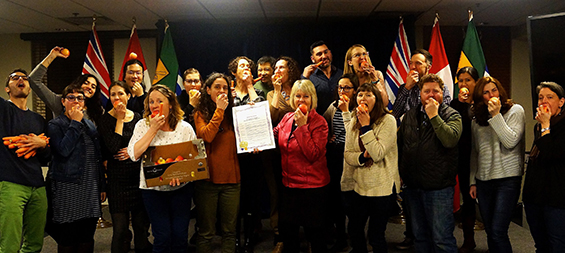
x,y
341,154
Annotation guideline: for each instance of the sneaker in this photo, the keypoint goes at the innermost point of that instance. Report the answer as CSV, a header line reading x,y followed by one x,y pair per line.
x,y
406,244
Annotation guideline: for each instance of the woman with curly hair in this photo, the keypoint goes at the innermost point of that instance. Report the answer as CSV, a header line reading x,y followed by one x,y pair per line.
x,y
168,206
214,124
286,73
497,159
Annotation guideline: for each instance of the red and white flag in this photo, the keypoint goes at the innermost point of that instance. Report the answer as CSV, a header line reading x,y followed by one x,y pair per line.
x,y
440,65
399,64
95,65
135,47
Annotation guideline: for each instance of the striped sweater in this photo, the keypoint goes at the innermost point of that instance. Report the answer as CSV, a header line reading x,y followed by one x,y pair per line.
x,y
498,149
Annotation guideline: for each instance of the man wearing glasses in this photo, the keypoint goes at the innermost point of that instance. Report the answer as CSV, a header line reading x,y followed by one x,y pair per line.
x,y
409,93
23,199
323,75
133,76
189,99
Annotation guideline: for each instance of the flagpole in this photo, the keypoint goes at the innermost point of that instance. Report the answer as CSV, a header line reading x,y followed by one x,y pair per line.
x,y
470,12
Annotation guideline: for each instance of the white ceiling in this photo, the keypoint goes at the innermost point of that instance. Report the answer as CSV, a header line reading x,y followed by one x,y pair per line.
x,y
30,16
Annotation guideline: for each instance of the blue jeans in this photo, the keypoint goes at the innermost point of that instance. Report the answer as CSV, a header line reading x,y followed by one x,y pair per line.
x,y
497,199
432,219
169,214
546,226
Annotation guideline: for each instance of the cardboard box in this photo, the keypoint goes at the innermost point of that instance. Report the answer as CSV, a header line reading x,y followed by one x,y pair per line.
x,y
193,168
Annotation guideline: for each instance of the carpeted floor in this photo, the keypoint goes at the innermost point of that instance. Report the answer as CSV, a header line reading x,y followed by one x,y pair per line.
x,y
520,238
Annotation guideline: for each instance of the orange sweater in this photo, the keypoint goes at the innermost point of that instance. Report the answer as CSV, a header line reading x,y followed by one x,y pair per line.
x,y
220,147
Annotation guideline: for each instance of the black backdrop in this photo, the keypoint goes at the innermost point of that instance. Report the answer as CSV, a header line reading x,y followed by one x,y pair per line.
x,y
547,53
209,46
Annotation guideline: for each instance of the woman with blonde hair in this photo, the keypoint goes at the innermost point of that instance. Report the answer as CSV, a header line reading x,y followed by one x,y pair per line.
x,y
357,61
302,136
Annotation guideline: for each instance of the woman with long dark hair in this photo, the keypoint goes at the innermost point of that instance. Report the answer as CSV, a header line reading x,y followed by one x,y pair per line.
x,y
467,78
544,189
88,82
214,124
124,196
497,159
168,206
371,169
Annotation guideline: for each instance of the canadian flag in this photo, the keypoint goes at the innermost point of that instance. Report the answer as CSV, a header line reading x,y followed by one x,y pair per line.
x,y
440,64
135,47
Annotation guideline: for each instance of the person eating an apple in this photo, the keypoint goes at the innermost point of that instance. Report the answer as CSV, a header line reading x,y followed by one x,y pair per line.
x,y
427,147
544,191
370,174
89,84
217,197
497,159
408,95
168,206
133,76
302,136
189,99
124,196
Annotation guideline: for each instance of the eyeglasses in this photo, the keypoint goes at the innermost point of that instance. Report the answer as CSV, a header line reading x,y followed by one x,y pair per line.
x,y
135,73
191,80
16,77
361,54
72,98
345,88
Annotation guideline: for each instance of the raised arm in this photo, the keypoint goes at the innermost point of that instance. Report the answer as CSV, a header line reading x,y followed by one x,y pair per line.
x,y
50,98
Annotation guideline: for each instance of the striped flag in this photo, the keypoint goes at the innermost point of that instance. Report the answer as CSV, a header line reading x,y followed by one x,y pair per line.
x,y
135,47
440,66
167,72
399,64
95,64
472,52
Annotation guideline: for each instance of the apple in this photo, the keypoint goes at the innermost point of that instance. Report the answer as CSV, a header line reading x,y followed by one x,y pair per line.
x,y
179,158
344,98
363,108
65,52
169,160
494,100
303,108
132,56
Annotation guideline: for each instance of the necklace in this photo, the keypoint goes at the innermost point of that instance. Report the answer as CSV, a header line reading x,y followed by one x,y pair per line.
x,y
285,96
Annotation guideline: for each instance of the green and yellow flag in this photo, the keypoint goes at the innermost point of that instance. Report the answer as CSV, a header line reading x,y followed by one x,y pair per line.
x,y
167,72
472,52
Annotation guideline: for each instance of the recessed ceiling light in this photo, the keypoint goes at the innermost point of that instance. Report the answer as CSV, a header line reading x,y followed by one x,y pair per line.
x,y
61,29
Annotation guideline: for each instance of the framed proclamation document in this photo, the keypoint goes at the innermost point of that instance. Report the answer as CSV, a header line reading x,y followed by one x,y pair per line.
x,y
253,127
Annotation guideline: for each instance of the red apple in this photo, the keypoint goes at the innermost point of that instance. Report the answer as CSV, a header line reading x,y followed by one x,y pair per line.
x,y
303,108
132,56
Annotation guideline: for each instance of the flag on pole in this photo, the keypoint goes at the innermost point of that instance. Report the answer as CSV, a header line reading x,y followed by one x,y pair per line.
x,y
135,47
399,64
95,64
167,72
440,65
472,52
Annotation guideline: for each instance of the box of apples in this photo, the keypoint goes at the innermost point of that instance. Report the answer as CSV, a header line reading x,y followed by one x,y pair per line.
x,y
185,161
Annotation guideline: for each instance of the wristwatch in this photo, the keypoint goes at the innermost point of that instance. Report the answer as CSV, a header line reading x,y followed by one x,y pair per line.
x,y
545,129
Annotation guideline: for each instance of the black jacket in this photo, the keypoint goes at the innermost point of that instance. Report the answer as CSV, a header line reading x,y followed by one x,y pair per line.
x,y
428,148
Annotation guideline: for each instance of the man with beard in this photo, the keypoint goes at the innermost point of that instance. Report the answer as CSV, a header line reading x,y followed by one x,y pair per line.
x,y
323,75
23,199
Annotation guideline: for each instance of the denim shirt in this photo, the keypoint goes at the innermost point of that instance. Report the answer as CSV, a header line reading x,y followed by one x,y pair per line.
x,y
69,150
